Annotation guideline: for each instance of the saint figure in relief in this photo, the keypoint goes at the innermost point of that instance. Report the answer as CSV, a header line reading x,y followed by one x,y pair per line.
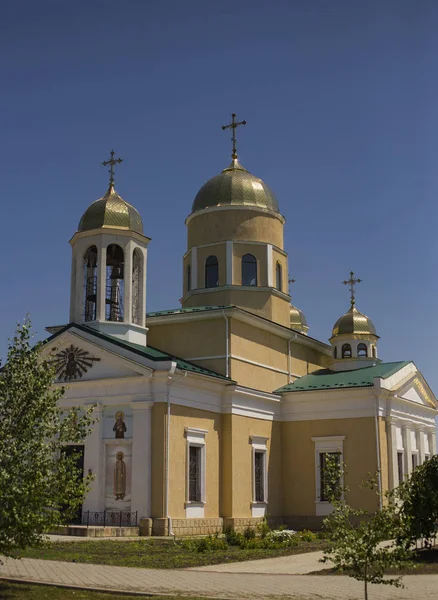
x,y
119,425
120,477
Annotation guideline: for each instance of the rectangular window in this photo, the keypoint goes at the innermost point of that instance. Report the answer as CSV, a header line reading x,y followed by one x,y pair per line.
x,y
324,485
259,476
400,466
195,494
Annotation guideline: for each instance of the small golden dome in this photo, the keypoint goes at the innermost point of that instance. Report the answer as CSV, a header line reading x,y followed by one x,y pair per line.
x,y
235,186
354,322
111,211
298,320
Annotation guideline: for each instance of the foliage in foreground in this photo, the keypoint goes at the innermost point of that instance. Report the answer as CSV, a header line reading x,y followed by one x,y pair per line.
x,y
359,542
417,498
39,482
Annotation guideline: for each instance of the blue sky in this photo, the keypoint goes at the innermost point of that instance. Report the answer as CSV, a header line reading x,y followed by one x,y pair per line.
x,y
340,100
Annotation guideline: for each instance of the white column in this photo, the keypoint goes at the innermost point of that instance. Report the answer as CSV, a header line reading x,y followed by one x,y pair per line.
x,y
269,265
431,434
392,450
194,268
141,459
127,276
419,433
229,265
101,282
143,287
93,460
79,293
407,449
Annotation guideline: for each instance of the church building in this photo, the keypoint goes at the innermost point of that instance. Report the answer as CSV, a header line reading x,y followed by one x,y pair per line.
x,y
222,411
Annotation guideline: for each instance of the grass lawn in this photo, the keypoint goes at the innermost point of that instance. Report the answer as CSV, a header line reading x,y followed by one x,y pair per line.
x,y
156,555
25,591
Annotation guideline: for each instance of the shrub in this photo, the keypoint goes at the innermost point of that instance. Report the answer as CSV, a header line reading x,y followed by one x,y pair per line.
x,y
307,536
249,533
263,528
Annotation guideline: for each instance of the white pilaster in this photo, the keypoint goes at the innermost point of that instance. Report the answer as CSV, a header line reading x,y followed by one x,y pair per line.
x,y
194,268
269,265
229,261
419,433
392,450
407,449
144,252
127,276
141,459
93,461
432,441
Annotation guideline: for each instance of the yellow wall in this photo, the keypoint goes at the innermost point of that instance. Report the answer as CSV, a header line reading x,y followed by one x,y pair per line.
x,y
278,257
237,495
384,455
188,339
240,224
182,417
298,452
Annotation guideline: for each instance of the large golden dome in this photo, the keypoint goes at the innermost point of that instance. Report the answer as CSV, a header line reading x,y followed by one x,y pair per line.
x,y
111,211
354,322
235,186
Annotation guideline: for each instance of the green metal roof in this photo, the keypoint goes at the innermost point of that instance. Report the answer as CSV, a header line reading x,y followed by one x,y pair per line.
x,y
325,379
190,309
147,351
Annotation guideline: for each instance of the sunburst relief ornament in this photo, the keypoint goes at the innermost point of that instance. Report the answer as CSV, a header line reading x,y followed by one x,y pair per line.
x,y
72,363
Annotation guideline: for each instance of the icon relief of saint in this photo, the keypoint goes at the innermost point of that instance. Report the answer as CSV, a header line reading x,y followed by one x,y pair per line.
x,y
120,477
119,425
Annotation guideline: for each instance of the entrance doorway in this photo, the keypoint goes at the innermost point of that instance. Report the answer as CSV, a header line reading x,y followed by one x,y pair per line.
x,y
79,452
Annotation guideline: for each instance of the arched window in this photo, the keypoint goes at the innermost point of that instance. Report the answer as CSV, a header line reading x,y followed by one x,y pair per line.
x,y
189,278
249,270
335,352
362,351
374,351
115,283
211,272
90,283
137,291
278,277
346,351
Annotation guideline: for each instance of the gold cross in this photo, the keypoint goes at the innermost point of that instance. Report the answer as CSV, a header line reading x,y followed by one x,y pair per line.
x,y
112,161
290,281
233,126
352,282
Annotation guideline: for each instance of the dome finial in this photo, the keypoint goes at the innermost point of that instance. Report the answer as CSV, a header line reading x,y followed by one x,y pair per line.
x,y
352,282
233,126
112,162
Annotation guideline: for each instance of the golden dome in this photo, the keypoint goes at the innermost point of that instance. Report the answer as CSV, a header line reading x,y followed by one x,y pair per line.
x,y
298,320
354,322
235,186
111,211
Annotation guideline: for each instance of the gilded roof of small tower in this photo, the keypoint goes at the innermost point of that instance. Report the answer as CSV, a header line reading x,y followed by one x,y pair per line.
x,y
111,211
235,186
298,320
354,322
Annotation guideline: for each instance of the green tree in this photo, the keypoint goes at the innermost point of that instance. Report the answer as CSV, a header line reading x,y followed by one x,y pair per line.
x,y
417,498
39,483
360,542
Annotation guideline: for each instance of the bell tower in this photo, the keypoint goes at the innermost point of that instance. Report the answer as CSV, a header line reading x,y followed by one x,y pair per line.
x,y
109,260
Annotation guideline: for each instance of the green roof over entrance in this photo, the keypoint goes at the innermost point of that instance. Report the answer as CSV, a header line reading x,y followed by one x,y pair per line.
x,y
325,379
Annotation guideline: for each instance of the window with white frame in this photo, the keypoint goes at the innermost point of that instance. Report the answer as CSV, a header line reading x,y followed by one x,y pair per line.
x,y
259,469
196,467
414,460
325,446
400,466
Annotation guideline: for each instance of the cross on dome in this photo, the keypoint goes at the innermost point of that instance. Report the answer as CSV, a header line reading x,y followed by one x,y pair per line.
x,y
351,283
112,162
233,126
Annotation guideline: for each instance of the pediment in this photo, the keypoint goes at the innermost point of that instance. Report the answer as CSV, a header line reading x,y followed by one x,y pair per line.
x,y
76,358
417,390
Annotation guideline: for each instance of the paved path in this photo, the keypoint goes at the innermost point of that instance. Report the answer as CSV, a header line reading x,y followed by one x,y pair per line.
x,y
262,582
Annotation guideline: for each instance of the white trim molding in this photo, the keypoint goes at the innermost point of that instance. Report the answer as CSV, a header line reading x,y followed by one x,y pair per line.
x,y
195,438
325,445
